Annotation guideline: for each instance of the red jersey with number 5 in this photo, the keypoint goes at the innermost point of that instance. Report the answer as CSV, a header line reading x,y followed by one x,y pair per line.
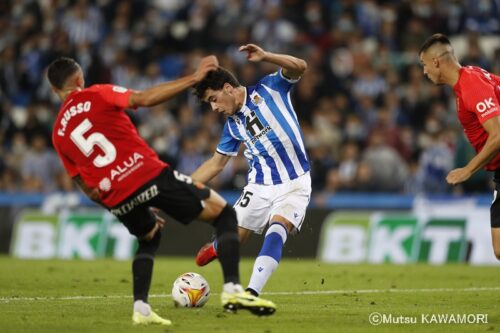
x,y
96,139
478,93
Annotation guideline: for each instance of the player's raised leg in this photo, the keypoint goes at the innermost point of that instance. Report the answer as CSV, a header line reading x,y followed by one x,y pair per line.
x,y
270,254
224,220
233,296
206,254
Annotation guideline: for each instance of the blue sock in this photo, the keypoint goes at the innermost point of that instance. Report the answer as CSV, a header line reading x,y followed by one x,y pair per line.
x,y
269,256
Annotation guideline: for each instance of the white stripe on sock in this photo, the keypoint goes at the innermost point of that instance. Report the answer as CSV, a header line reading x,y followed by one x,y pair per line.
x,y
279,229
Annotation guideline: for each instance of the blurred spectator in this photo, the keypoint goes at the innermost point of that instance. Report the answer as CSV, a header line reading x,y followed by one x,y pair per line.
x,y
436,160
481,180
40,166
364,104
483,16
191,156
343,178
82,23
274,32
496,61
383,166
475,55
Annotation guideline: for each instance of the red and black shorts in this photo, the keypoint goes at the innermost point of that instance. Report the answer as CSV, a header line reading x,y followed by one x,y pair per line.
x,y
172,192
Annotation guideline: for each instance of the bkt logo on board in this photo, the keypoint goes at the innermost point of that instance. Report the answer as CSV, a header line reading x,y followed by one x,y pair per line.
x,y
353,237
86,235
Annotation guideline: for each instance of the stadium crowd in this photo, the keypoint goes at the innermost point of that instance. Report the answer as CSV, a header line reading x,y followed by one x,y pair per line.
x,y
371,120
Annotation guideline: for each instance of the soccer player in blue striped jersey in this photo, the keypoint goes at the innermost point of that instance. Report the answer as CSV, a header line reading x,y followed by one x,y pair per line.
x,y
279,184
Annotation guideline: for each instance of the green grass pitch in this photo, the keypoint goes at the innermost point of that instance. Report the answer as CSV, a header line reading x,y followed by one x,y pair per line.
x,y
94,296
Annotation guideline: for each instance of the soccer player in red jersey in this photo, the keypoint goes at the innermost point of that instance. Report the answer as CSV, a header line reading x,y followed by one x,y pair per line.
x,y
478,109
102,151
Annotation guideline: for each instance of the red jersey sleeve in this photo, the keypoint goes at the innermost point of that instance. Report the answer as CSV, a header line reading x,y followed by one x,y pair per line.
x,y
70,167
480,97
116,95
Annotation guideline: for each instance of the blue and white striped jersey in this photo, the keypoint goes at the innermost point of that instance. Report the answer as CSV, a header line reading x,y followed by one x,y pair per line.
x,y
268,126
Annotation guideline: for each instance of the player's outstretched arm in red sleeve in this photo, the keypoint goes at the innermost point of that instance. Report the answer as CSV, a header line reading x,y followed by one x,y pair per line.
x,y
490,149
164,91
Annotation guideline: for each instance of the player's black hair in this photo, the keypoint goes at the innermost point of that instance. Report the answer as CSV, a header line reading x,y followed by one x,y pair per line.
x,y
60,70
432,40
215,80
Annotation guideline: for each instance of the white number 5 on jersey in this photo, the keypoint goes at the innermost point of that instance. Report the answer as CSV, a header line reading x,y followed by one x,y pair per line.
x,y
95,139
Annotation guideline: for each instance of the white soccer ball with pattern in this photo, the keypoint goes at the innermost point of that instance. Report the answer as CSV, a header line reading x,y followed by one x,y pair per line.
x,y
190,290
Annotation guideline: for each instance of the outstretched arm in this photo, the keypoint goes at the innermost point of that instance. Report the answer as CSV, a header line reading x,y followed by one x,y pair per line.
x,y
210,168
164,91
490,150
293,67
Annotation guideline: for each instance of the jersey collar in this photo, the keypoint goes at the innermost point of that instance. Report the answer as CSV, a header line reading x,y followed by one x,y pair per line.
x,y
69,98
243,106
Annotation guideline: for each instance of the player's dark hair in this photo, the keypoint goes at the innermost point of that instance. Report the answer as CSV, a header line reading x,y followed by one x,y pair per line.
x,y
432,40
215,80
60,70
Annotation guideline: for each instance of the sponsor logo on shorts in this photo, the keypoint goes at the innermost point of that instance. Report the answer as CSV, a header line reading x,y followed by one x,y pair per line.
x,y
142,197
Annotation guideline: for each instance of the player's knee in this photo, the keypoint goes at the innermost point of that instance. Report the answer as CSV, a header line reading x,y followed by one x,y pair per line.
x,y
289,227
151,234
497,252
147,237
279,233
214,205
496,241
496,247
226,221
243,234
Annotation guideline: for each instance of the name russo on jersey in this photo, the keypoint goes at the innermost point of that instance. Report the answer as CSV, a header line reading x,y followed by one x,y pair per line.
x,y
71,112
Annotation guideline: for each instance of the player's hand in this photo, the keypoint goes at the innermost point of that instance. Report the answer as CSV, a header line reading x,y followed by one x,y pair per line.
x,y
457,176
93,194
206,65
160,222
254,52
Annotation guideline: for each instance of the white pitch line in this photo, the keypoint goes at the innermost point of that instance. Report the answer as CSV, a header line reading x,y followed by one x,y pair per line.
x,y
379,291
315,292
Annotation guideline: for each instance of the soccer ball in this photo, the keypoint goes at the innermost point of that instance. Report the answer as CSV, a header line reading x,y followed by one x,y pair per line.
x,y
190,290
